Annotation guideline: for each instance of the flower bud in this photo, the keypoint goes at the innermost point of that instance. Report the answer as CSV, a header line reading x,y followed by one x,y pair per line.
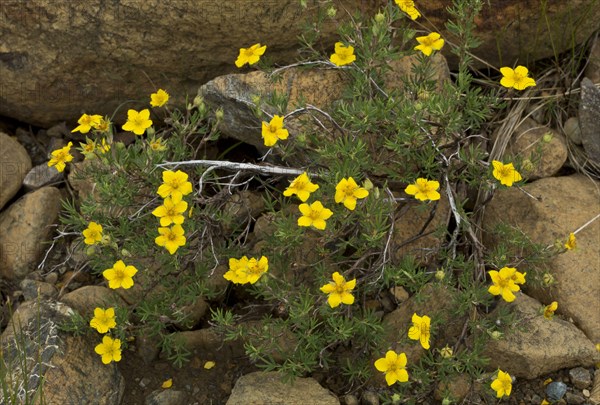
x,y
150,131
548,279
105,239
331,12
90,250
379,18
446,401
547,138
125,252
219,114
368,185
440,275
527,165
496,335
446,352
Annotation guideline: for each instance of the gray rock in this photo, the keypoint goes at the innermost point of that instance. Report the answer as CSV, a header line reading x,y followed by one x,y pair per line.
x,y
261,388
574,399
72,372
555,391
26,227
572,130
33,289
580,377
589,119
538,346
167,397
41,175
85,299
369,398
14,165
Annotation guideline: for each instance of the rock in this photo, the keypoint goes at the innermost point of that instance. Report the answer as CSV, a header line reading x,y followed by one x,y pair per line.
x,y
167,397
589,119
241,208
147,347
72,372
457,388
399,293
562,205
408,238
580,377
595,394
85,299
33,289
26,226
260,388
350,399
369,398
543,146
572,130
192,313
540,346
40,176
49,77
318,87
592,71
574,399
207,341
14,165
555,391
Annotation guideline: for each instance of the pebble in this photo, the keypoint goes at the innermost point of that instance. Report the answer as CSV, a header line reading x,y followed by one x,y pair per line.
x,y
369,398
580,377
574,399
555,391
144,382
350,399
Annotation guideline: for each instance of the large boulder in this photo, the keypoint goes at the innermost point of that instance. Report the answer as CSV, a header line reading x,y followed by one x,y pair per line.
x,y
59,59
39,358
14,166
560,205
26,227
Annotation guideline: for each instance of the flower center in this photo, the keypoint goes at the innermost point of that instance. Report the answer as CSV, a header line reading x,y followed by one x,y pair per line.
x,y
171,236
171,212
349,191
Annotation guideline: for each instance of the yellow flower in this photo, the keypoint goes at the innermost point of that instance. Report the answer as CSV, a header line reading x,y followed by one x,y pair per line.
x,y
103,320
138,122
92,234
103,125
518,277
504,284
571,242
343,55
171,211
544,402
502,384
250,55
420,329
347,191
394,367
408,6
105,147
120,275
175,185
159,98
273,131
157,145
506,174
171,238
339,290
246,270
516,78
237,270
550,309
424,189
86,122
60,157
301,186
314,215
429,43
109,349
167,383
